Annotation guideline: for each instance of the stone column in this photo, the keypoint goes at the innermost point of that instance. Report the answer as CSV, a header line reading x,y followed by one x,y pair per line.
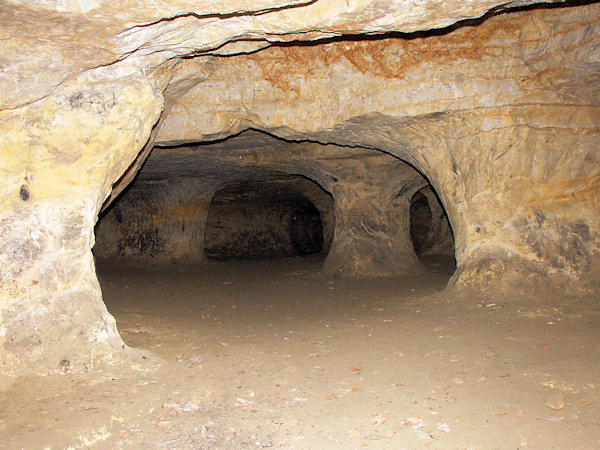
x,y
59,157
522,196
520,185
372,223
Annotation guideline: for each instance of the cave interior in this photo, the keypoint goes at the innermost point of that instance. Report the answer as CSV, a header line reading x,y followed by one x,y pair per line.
x,y
243,198
300,224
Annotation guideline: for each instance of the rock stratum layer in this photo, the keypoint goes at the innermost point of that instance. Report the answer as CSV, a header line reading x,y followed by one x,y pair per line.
x,y
497,108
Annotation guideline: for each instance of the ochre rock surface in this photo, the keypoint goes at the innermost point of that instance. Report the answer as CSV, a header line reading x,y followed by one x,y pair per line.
x,y
501,115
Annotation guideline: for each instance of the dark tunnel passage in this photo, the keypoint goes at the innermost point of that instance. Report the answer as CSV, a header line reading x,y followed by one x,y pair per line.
x,y
420,221
253,220
249,197
430,230
306,230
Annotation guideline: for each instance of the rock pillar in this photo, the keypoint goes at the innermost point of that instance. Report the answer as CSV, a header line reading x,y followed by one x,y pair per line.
x,y
522,202
372,223
59,157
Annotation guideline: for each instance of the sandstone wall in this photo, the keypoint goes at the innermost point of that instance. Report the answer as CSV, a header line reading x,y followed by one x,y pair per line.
x,y
162,221
59,158
365,217
371,197
500,115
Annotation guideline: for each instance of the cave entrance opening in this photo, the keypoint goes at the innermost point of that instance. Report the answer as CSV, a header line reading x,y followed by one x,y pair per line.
x,y
224,243
224,200
430,231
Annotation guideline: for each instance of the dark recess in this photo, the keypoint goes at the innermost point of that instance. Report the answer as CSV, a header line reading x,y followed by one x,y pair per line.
x,y
262,219
420,221
306,230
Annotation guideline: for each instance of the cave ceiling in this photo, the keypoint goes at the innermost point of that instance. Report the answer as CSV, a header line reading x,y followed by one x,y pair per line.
x,y
250,156
68,38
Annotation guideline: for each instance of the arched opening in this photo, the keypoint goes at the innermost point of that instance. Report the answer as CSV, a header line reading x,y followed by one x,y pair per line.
x,y
215,255
430,231
243,198
262,219
420,221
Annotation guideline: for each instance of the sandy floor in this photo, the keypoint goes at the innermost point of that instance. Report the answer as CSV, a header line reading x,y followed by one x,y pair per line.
x,y
265,354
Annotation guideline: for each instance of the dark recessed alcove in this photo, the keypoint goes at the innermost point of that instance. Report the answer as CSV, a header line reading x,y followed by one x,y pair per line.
x,y
253,220
430,230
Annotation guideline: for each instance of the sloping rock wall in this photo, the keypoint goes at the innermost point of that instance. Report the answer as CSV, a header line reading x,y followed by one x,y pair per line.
x,y
160,221
59,158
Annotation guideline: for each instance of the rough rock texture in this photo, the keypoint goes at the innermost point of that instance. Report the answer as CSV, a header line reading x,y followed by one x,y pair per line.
x,y
162,220
156,221
372,219
501,116
429,226
52,41
366,230
59,158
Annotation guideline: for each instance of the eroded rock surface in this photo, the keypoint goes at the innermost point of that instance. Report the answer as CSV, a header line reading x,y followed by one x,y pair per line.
x,y
497,116
500,115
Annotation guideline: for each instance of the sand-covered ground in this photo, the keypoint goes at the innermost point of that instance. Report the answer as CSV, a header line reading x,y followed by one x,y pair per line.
x,y
258,354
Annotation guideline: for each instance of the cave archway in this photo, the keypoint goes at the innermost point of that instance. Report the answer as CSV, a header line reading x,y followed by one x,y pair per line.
x,y
369,212
253,204
430,230
264,219
306,230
